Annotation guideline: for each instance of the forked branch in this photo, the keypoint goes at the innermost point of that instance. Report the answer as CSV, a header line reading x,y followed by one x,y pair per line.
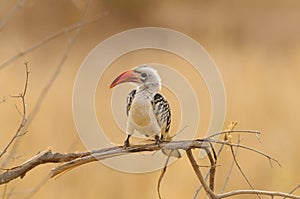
x,y
73,160
19,132
213,195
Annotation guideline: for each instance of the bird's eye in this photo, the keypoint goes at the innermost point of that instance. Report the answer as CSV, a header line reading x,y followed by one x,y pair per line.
x,y
144,74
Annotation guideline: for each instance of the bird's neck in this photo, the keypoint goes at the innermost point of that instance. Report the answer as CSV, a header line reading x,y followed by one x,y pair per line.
x,y
148,90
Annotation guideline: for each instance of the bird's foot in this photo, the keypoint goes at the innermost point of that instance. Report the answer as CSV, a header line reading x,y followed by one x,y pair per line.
x,y
158,140
126,142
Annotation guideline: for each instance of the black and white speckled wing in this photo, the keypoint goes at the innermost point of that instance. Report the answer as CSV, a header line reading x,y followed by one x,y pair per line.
x,y
129,100
162,111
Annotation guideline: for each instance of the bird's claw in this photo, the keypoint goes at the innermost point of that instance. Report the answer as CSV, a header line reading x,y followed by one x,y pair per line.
x,y
126,144
158,140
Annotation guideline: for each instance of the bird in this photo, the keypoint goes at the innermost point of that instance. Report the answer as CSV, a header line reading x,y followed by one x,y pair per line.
x,y
148,112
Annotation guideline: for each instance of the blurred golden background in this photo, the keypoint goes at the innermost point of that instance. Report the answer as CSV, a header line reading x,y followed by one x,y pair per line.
x,y
255,44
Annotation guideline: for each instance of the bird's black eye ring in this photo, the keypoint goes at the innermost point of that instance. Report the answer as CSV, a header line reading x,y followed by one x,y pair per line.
x,y
144,75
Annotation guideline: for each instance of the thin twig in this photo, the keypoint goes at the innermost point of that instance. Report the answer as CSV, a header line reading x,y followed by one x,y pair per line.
x,y
231,168
75,159
208,173
11,13
227,138
233,131
50,38
241,170
4,191
243,147
55,74
256,192
23,114
11,192
212,169
294,189
199,175
37,187
213,195
162,175
46,89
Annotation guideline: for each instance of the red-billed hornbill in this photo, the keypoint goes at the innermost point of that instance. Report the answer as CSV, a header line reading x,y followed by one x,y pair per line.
x,y
148,111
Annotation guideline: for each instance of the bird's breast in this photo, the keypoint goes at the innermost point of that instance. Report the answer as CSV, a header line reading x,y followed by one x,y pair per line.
x,y
141,112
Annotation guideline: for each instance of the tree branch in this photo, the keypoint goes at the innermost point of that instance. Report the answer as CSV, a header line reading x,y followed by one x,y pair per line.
x,y
199,174
213,195
230,168
51,37
242,147
41,158
163,172
120,150
55,73
72,160
241,170
257,192
11,13
23,113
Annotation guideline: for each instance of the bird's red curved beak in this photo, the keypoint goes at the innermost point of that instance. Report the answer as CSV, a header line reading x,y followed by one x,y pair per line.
x,y
127,76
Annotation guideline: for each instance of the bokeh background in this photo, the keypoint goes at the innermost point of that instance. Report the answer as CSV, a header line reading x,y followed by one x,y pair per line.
x,y
255,44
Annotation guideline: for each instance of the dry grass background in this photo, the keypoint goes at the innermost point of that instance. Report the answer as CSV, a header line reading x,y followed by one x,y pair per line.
x,y
255,44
